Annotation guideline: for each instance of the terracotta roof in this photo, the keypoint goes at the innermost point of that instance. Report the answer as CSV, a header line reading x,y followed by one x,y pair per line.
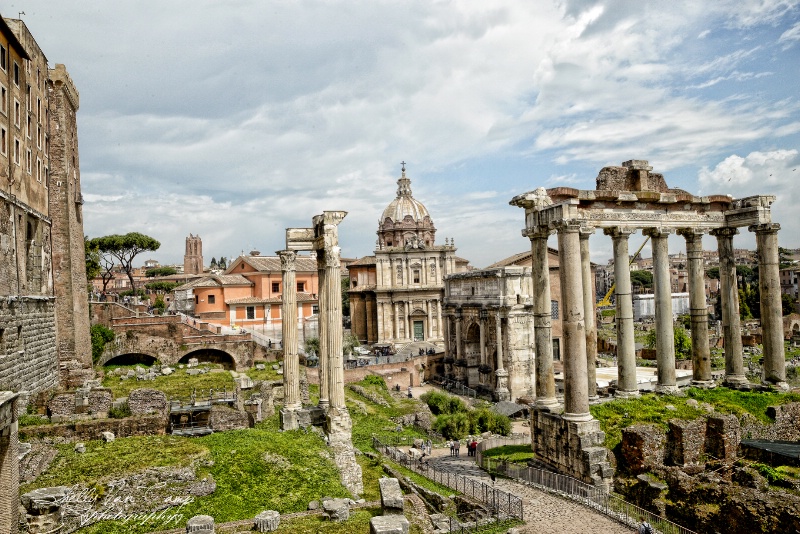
x,y
247,300
232,280
205,281
301,297
366,260
273,263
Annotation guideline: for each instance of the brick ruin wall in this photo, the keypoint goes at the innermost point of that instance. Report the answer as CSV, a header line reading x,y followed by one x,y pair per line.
x,y
29,360
143,425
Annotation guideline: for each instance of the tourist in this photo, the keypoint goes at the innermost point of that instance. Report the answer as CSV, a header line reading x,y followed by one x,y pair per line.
x,y
645,527
457,445
429,445
410,396
474,447
452,448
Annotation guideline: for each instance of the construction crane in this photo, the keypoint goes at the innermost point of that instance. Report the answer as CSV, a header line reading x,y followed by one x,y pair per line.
x,y
606,301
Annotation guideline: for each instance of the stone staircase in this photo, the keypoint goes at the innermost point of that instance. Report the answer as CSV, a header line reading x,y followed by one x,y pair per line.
x,y
412,349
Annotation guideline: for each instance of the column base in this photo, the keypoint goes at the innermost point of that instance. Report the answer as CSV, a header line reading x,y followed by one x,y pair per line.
x,y
501,391
548,404
783,386
623,394
578,417
594,399
704,384
324,404
667,390
735,381
289,419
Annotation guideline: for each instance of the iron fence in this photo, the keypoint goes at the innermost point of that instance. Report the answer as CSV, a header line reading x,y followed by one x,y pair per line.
x,y
502,504
595,497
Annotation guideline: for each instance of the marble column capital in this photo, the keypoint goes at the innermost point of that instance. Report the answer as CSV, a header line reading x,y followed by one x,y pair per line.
x,y
657,232
567,226
288,259
766,228
538,233
619,232
586,231
725,231
691,233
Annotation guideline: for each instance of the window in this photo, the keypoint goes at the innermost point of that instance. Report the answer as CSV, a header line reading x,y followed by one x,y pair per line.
x,y
554,309
276,287
30,126
17,151
3,57
301,287
212,299
416,276
17,113
29,102
38,170
251,312
39,136
28,162
196,299
314,309
3,141
4,99
16,74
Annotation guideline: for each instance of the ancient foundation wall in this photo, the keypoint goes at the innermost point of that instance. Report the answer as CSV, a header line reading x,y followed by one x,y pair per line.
x,y
146,425
28,358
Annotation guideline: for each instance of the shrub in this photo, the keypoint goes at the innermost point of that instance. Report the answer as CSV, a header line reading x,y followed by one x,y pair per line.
x,y
375,380
453,426
100,336
120,412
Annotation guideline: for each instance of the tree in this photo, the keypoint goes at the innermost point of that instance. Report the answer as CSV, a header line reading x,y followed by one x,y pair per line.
x,y
644,279
346,296
213,263
713,272
222,263
682,341
162,285
788,304
785,257
100,336
124,248
160,271
105,261
92,252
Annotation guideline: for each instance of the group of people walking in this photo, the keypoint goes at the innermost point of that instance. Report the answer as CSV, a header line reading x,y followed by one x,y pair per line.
x,y
455,447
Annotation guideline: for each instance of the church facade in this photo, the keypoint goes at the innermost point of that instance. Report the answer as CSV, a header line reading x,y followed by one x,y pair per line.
x,y
396,295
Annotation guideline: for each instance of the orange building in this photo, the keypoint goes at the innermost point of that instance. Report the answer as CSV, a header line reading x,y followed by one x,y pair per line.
x,y
249,293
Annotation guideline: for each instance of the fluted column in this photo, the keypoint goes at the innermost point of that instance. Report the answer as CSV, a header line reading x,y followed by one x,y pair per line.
x,y
501,390
429,303
576,385
542,321
333,288
440,326
396,320
729,294
457,320
701,355
291,364
324,389
665,329
589,316
626,345
407,321
769,285
482,336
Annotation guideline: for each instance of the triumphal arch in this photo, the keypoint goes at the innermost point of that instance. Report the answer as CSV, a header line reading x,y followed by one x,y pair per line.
x,y
628,198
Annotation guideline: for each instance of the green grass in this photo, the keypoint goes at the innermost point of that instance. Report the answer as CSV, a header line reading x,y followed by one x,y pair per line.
x,y
358,522
650,408
511,453
178,384
268,374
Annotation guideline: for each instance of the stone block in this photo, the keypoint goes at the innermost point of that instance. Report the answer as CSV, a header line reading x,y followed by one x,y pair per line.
x,y
80,447
643,447
391,496
685,442
337,509
723,434
224,418
440,522
389,524
267,521
44,500
108,437
145,401
200,523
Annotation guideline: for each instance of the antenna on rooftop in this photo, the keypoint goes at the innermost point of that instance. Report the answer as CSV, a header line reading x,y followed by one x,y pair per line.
x,y
19,15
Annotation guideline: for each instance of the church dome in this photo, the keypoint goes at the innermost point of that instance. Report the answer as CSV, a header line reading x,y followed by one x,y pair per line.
x,y
405,219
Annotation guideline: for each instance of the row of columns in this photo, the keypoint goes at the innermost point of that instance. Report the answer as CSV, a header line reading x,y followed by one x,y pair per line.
x,y
578,322
405,317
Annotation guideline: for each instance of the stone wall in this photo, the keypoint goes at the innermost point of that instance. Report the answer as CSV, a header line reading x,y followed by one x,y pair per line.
x,y
28,358
685,442
147,401
224,418
573,448
144,425
785,427
642,447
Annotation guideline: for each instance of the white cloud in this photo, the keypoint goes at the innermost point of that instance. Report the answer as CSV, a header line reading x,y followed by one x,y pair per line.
x,y
791,35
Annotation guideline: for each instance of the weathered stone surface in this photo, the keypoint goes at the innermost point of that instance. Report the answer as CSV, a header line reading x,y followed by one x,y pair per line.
x,y
723,434
28,323
642,447
100,400
391,496
224,418
200,523
146,401
36,461
388,524
685,441
62,405
267,521
337,509
44,500
80,447
108,437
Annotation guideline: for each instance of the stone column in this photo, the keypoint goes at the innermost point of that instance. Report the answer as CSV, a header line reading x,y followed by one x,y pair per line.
x,y
407,321
626,345
333,290
501,387
440,331
769,285
482,338
542,314
457,320
589,316
576,384
9,463
322,323
396,320
729,294
291,363
665,329
429,303
701,355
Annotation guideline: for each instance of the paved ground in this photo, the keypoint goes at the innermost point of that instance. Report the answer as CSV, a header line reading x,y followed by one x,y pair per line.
x,y
544,513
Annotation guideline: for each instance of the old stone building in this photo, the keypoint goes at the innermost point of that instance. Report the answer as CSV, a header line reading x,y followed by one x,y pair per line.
x,y
396,295
193,257
44,320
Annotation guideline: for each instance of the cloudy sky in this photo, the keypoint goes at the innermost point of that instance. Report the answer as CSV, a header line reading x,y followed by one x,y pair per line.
x,y
234,120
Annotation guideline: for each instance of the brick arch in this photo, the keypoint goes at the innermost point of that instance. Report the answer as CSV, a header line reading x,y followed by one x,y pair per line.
x,y
210,355
129,358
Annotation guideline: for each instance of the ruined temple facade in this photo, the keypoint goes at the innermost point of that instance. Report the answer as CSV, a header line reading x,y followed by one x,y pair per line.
x,y
396,295
44,318
626,199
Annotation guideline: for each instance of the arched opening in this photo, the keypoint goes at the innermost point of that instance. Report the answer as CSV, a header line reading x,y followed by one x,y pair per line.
x,y
211,356
131,359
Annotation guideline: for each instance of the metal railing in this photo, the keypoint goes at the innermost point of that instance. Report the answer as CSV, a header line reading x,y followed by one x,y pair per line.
x,y
453,386
595,497
502,504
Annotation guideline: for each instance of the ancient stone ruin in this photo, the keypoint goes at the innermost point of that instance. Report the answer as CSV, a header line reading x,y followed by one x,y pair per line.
x,y
629,198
